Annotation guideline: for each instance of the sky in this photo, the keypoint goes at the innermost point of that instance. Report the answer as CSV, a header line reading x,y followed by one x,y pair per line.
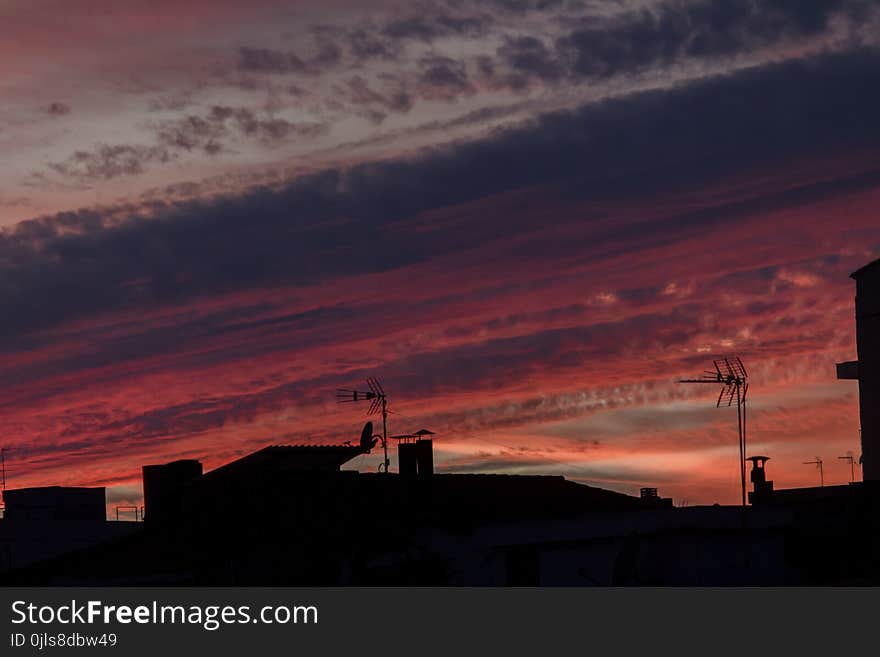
x,y
527,218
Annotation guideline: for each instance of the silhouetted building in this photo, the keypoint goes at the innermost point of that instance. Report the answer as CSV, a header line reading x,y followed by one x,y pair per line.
x,y
55,504
289,515
42,523
161,483
867,368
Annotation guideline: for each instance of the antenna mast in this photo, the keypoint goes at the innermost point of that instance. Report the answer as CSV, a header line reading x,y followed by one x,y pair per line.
x,y
378,402
3,477
818,463
852,467
731,375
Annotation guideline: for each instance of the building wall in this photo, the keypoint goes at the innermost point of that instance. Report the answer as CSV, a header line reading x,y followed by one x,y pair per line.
x,y
868,341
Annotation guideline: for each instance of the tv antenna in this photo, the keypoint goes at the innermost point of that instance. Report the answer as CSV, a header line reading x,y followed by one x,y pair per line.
x,y
378,402
818,463
731,375
852,465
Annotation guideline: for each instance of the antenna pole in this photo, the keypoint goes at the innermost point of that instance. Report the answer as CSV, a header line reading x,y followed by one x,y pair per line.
x,y
378,402
385,432
745,390
741,421
852,466
731,375
3,468
818,463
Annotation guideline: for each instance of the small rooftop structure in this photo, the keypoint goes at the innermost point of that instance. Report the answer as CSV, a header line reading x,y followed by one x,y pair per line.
x,y
649,497
415,453
763,489
161,482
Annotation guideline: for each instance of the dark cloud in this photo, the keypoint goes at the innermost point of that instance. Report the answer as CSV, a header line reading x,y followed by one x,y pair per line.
x,y
575,43
368,43
326,53
588,45
433,25
170,102
263,60
267,130
273,130
111,161
206,133
530,56
189,133
522,6
375,103
660,35
347,221
474,117
329,53
443,78
192,132
58,109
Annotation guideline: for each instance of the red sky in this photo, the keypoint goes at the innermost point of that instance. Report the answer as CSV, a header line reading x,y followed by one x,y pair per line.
x,y
527,226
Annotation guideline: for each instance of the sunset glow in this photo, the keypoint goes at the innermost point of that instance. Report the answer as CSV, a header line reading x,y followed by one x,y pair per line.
x,y
215,213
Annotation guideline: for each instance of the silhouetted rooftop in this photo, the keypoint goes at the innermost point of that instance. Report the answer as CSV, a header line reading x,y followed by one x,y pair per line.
x,y
291,457
865,269
55,504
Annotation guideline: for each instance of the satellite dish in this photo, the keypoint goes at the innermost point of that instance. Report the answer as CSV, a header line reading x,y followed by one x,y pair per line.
x,y
367,440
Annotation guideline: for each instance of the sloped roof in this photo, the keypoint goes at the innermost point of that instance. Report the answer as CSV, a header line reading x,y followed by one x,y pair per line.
x,y
863,270
292,457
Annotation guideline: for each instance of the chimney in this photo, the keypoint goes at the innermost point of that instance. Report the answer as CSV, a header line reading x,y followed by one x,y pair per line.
x,y
763,489
406,459
867,368
425,457
415,458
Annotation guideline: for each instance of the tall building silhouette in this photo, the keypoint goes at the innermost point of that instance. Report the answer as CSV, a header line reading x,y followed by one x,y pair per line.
x,y
867,368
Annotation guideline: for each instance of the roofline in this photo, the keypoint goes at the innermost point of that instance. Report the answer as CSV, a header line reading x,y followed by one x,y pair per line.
x,y
30,488
861,270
